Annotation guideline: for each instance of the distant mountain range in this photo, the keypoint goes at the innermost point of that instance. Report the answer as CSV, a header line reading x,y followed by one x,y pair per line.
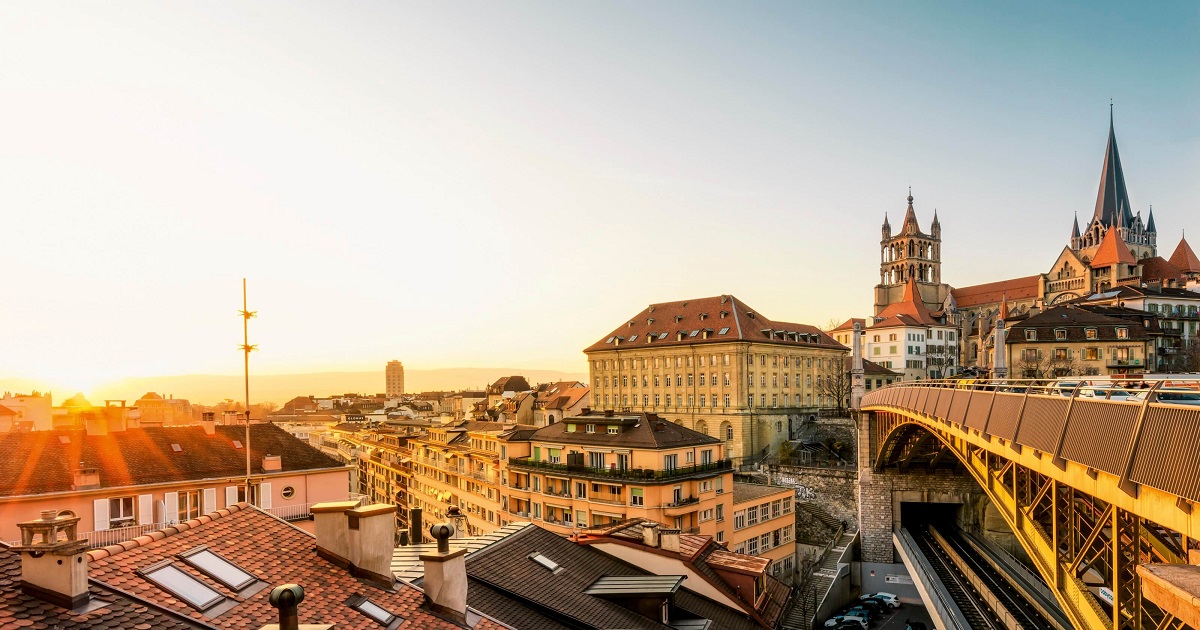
x,y
280,388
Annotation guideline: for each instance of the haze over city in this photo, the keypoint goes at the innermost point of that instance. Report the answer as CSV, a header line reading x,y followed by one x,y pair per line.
x,y
472,185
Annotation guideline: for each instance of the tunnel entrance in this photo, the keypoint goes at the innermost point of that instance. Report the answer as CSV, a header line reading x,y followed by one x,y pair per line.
x,y
945,516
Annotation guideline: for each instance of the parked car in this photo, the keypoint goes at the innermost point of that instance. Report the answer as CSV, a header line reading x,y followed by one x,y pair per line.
x,y
875,604
888,598
914,625
866,612
1173,397
842,621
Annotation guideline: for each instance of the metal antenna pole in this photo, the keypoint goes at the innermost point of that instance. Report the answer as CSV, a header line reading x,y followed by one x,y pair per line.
x,y
246,349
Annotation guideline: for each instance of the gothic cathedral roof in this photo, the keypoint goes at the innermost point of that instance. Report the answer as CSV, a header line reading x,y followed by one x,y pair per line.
x,y
1112,200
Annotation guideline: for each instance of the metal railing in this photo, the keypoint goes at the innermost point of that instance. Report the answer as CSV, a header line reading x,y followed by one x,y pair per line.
x,y
1140,428
632,474
683,502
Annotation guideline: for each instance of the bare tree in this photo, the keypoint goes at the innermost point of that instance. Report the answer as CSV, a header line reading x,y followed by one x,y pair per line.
x,y
1043,365
835,384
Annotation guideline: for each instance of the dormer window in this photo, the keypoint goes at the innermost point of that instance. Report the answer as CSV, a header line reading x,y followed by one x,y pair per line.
x,y
613,429
1122,333
589,428
678,318
1060,334
1090,333
1031,335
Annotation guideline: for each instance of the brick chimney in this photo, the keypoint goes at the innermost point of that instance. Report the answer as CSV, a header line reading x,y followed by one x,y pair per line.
x,y
359,539
445,581
51,569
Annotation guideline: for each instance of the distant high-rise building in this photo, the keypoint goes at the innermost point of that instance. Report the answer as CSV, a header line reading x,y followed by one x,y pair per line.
x,y
395,378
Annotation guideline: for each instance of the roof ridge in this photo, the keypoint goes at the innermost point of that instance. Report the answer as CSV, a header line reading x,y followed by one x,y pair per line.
x,y
159,534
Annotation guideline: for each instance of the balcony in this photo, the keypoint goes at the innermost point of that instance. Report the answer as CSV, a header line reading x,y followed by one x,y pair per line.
x,y
565,494
617,500
647,475
1124,363
681,506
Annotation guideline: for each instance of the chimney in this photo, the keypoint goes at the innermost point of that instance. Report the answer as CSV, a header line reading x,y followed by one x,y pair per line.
x,y
287,599
650,534
445,582
209,422
359,539
669,539
51,569
415,527
86,478
272,463
94,423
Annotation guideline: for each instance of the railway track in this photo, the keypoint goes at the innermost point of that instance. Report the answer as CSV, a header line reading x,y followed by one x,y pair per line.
x,y
977,614
1018,606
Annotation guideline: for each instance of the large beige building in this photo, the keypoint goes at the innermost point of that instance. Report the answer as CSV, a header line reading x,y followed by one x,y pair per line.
x,y
394,374
719,367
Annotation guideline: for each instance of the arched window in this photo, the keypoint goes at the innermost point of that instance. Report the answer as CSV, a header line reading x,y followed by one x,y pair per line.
x,y
727,430
702,427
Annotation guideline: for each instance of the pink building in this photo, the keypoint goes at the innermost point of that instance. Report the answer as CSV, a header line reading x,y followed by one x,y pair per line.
x,y
123,483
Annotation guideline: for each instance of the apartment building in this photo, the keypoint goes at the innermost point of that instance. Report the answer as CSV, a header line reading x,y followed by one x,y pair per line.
x,y
602,467
460,466
1071,341
718,367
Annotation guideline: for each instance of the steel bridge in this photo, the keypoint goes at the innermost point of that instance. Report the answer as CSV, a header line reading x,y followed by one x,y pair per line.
x,y
1099,486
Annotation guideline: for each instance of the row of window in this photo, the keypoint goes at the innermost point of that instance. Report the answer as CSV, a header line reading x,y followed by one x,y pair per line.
x,y
751,516
711,400
1060,334
713,360
766,542
1086,354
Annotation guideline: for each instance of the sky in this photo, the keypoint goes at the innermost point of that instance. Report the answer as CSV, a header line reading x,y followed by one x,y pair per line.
x,y
459,184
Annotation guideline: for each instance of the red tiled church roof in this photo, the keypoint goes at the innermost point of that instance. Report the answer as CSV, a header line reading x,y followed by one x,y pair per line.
x,y
1160,269
1112,251
910,308
1185,258
993,292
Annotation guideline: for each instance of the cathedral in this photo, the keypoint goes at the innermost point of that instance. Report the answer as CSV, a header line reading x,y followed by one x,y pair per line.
x,y
1115,248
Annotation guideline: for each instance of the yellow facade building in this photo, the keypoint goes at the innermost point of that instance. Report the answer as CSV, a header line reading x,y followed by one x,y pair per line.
x,y
718,367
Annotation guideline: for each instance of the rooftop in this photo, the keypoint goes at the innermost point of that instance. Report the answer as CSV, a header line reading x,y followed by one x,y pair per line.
x,y
717,319
646,431
45,461
744,492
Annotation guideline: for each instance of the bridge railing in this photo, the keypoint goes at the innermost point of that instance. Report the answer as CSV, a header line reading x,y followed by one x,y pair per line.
x,y
1142,429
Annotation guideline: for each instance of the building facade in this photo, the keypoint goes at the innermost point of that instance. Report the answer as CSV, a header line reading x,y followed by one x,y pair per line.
x,y
718,367
1073,341
394,378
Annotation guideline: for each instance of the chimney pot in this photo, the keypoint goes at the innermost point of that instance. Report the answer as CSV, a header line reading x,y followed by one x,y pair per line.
x,y
54,569
669,539
650,534
445,581
287,598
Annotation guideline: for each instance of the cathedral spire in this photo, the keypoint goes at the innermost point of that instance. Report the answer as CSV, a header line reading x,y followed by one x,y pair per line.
x,y
1112,200
1150,229
1075,228
910,217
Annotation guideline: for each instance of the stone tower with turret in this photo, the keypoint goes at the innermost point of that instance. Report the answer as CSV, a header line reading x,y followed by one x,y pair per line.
x,y
911,253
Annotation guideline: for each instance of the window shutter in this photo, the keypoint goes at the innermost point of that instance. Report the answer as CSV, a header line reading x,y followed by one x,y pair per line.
x,y
230,495
100,514
210,501
264,496
170,508
145,509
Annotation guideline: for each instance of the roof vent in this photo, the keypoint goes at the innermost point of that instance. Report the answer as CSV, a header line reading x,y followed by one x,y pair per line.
x,y
678,318
651,309
724,299
750,314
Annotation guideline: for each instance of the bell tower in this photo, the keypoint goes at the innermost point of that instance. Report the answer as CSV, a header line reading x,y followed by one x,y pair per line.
x,y
911,253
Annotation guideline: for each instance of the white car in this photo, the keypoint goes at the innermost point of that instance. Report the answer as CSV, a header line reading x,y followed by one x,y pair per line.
x,y
1174,397
834,622
888,598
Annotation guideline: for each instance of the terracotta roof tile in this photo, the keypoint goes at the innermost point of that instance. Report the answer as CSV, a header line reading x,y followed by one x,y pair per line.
x,y
647,431
1159,269
274,551
910,306
38,462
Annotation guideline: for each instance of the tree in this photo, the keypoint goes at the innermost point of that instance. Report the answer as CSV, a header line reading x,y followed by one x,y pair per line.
x,y
835,384
1043,365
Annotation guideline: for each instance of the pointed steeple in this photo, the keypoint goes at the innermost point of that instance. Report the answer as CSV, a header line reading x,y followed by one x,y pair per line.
x,y
1150,229
1075,228
935,218
1185,258
910,217
1112,200
1003,307
1112,251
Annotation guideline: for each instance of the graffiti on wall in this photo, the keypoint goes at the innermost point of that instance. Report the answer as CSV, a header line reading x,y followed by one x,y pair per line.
x,y
803,492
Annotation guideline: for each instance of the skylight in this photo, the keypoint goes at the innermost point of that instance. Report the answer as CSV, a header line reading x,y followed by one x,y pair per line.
x,y
186,588
218,568
662,336
371,609
64,439
177,448
544,561
237,444
723,331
